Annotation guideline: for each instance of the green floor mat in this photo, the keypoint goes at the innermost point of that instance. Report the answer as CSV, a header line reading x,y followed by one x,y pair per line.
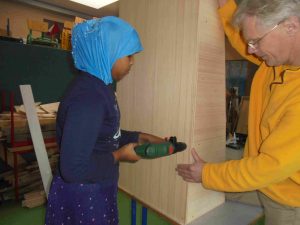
x,y
259,221
11,213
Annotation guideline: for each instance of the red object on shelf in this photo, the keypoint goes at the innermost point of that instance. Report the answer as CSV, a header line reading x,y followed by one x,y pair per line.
x,y
12,122
3,97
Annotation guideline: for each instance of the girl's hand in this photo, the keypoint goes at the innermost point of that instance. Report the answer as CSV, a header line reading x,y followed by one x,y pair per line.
x,y
126,153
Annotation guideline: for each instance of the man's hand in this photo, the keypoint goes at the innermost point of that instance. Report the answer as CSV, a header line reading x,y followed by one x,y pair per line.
x,y
126,154
222,3
192,172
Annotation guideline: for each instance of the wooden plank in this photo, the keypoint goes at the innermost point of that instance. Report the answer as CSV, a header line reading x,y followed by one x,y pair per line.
x,y
31,203
68,24
34,194
21,121
50,107
3,32
79,20
29,147
176,87
37,137
37,25
209,121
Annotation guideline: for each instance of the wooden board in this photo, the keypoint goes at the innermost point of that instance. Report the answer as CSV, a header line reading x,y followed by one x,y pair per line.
x,y
29,147
176,87
50,107
37,137
37,25
21,122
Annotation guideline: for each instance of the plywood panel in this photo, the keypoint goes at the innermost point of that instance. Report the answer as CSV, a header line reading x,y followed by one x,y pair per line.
x,y
176,87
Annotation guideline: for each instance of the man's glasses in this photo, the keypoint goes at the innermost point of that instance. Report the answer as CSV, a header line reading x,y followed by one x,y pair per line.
x,y
254,43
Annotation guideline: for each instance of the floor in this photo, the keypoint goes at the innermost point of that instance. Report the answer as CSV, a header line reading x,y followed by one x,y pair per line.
x,y
231,213
11,213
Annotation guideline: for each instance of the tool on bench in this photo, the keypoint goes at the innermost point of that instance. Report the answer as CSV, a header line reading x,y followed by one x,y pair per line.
x,y
151,151
41,27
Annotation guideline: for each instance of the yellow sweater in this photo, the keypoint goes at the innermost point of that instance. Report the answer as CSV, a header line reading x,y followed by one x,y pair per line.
x,y
271,160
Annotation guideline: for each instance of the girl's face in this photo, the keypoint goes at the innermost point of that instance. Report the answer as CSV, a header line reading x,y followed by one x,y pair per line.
x,y
122,67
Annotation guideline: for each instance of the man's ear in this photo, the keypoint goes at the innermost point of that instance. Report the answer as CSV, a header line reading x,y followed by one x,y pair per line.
x,y
292,25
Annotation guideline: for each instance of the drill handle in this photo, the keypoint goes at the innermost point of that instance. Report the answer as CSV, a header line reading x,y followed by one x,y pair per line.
x,y
151,151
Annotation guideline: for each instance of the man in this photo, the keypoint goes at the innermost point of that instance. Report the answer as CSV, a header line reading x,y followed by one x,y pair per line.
x,y
271,164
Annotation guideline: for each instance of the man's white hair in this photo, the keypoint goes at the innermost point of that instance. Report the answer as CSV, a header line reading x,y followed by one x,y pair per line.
x,y
268,12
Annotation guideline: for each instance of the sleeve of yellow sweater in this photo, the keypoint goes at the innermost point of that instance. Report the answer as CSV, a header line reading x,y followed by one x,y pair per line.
x,y
233,34
279,158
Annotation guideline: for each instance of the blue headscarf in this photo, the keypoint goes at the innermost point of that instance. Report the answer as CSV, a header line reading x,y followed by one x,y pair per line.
x,y
98,43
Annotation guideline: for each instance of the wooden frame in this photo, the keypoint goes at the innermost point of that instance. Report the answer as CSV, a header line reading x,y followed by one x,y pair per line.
x,y
176,87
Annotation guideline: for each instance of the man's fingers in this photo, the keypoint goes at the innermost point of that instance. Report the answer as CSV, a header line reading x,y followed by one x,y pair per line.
x,y
191,172
183,166
185,176
184,170
196,156
134,144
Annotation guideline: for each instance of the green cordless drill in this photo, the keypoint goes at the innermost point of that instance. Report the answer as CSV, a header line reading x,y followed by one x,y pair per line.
x,y
152,151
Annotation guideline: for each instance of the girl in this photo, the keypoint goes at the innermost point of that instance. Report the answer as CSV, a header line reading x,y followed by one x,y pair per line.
x,y
84,190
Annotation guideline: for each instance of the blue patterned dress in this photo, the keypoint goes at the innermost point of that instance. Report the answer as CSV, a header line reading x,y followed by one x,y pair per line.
x,y
84,189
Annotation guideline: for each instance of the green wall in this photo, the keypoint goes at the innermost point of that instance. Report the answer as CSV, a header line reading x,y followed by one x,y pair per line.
x,y
47,70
